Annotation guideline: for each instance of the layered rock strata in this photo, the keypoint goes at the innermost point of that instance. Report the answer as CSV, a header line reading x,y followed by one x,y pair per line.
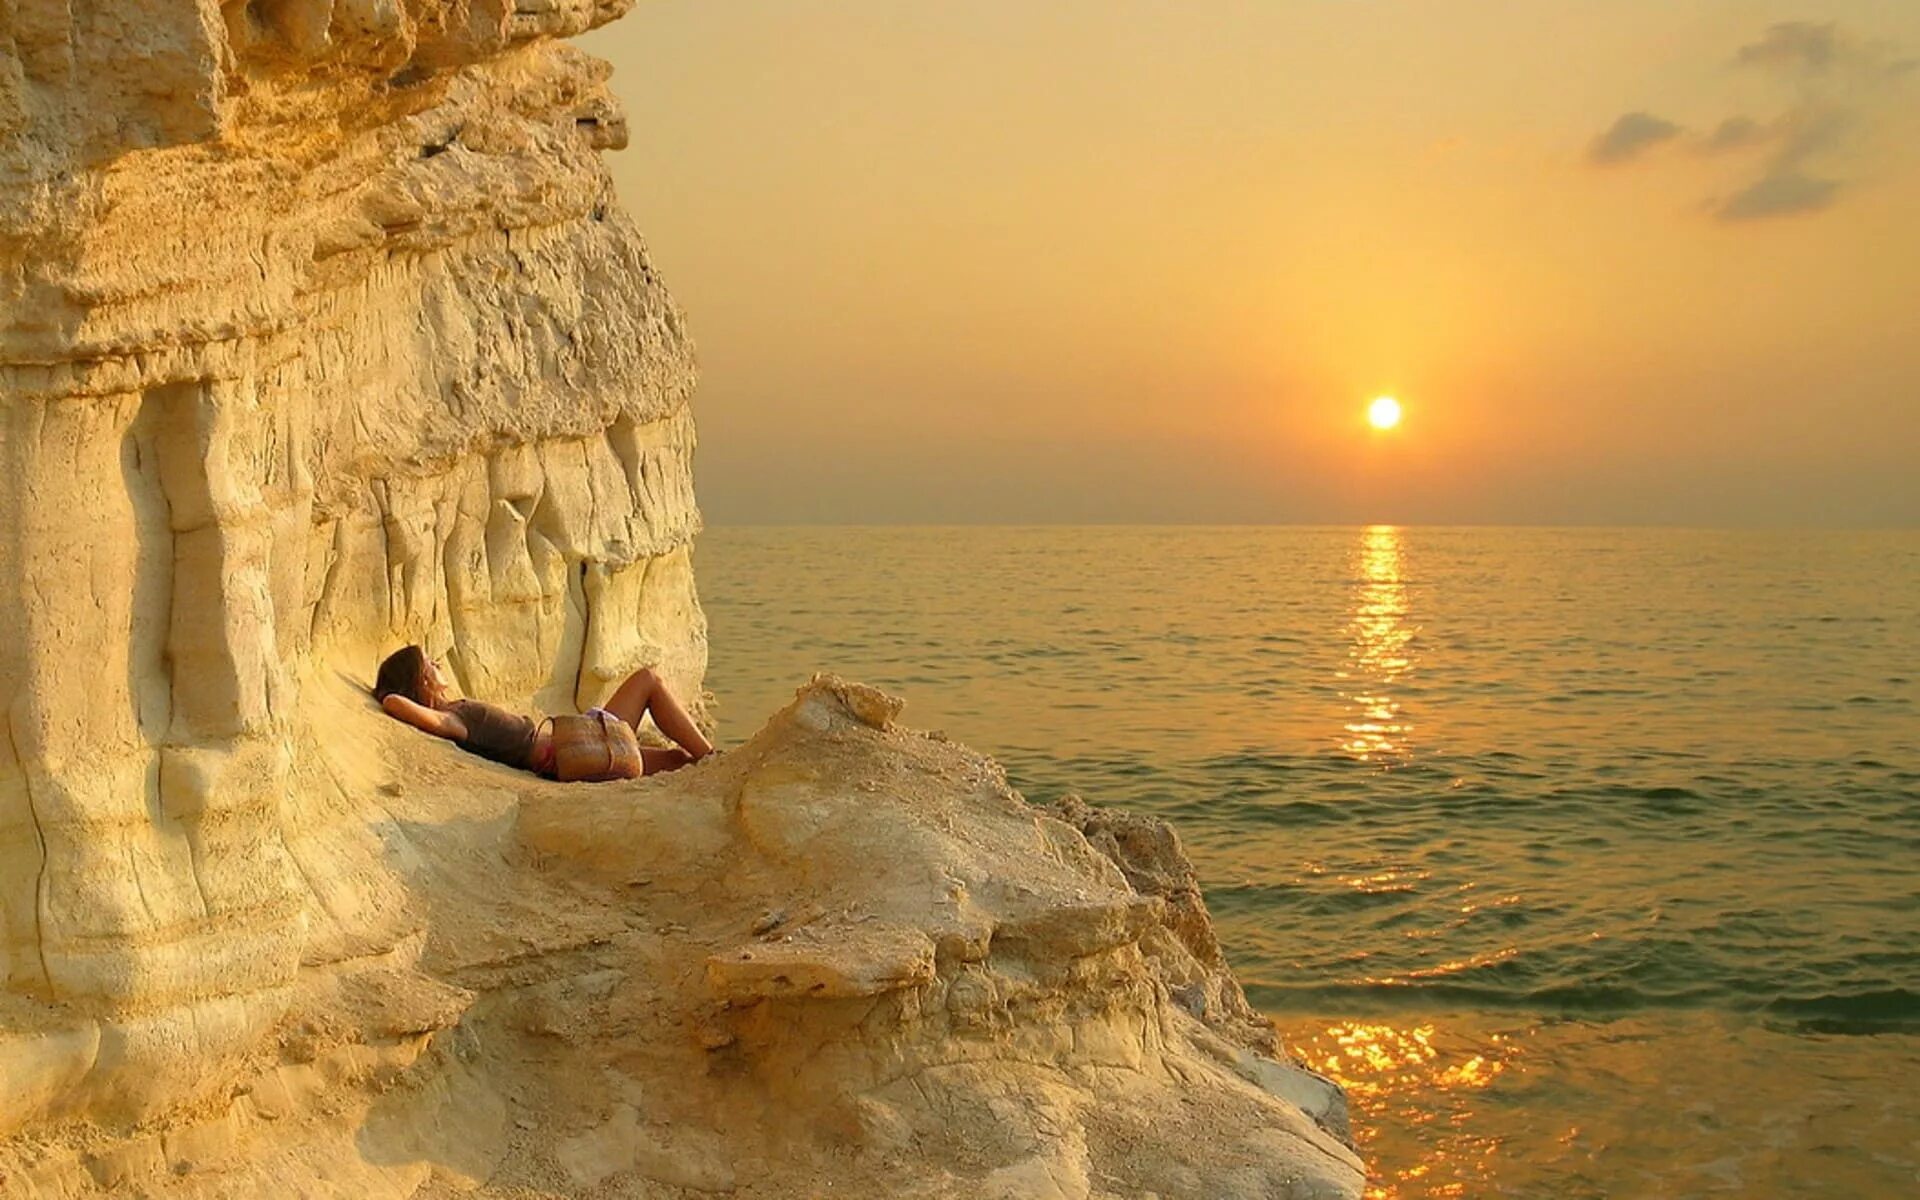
x,y
320,333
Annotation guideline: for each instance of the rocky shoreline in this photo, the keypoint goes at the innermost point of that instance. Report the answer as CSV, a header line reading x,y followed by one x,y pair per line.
x,y
842,958
324,333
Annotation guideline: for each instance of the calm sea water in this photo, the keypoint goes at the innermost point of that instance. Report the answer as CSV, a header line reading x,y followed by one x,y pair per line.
x,y
1589,860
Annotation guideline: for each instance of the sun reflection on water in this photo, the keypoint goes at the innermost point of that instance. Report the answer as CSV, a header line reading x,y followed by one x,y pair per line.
x,y
1382,649
1412,1077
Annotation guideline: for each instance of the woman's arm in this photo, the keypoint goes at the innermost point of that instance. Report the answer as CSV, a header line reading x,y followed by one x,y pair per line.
x,y
439,724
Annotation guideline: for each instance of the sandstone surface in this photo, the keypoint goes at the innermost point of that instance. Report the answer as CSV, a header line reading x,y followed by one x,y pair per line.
x,y
321,332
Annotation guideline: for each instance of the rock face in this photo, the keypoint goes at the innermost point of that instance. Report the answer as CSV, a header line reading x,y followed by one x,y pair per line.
x,y
320,333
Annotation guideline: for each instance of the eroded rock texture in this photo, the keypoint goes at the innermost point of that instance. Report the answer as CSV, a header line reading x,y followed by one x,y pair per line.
x,y
320,333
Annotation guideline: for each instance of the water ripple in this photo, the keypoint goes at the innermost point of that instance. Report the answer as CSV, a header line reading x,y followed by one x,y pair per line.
x,y
1557,782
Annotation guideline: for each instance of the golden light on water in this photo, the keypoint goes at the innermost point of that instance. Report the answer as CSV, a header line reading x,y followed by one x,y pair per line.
x,y
1413,1074
1382,645
1384,413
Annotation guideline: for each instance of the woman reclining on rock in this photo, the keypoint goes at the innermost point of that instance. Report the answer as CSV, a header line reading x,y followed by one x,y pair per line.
x,y
412,688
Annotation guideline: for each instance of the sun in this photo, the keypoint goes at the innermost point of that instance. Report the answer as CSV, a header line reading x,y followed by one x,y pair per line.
x,y
1384,413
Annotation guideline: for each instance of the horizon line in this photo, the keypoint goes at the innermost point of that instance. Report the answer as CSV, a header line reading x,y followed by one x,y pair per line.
x,y
1675,527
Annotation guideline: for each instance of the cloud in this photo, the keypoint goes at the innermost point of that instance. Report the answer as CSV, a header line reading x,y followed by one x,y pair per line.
x,y
1778,194
1812,130
1836,89
1791,45
1628,138
1735,133
1788,186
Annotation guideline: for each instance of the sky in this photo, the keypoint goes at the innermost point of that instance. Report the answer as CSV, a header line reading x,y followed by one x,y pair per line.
x,y
1621,261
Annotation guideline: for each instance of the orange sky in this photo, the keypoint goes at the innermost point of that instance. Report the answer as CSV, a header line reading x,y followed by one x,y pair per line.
x,y
1623,261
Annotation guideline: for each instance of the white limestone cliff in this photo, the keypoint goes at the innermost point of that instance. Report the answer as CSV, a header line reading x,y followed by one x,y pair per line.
x,y
321,332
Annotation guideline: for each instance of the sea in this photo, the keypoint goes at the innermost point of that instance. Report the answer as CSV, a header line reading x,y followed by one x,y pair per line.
x,y
1587,860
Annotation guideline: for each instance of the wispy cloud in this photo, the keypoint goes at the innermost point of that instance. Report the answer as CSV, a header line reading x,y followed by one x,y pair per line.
x,y
1734,133
1837,87
1794,46
1778,194
1628,138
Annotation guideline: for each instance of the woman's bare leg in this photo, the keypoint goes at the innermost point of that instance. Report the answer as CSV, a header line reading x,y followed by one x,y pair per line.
x,y
646,694
654,760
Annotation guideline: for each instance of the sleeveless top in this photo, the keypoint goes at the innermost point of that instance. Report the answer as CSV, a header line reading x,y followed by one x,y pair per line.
x,y
493,732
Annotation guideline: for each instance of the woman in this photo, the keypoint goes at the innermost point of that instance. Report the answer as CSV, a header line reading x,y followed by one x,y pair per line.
x,y
411,687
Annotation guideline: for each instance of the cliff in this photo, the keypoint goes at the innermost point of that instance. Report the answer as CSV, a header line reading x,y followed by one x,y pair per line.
x,y
321,332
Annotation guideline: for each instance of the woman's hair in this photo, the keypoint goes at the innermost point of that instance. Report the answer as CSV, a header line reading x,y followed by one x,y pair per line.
x,y
404,673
